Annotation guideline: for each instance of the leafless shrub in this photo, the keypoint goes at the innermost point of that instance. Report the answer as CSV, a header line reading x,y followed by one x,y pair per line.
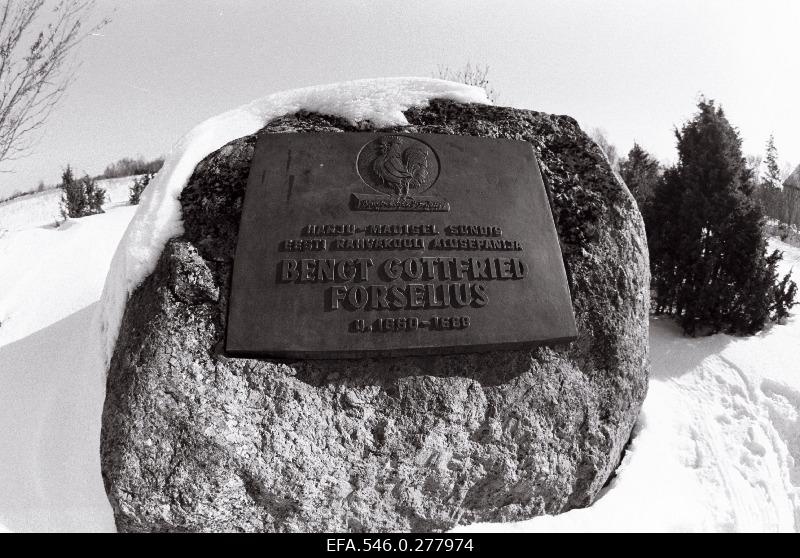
x,y
471,75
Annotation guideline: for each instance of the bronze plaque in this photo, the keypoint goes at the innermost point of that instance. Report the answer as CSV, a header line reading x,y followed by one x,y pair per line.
x,y
367,244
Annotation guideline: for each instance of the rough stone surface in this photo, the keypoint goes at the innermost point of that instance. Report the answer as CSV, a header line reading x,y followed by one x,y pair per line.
x,y
194,441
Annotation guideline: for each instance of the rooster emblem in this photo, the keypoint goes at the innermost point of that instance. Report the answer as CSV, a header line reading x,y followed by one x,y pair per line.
x,y
404,171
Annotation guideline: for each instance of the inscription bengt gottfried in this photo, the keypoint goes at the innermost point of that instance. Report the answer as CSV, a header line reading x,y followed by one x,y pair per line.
x,y
324,267
449,282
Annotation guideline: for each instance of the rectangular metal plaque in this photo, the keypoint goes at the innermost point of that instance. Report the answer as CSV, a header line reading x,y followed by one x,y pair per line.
x,y
366,244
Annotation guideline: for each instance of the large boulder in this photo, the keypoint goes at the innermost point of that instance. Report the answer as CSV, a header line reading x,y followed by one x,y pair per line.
x,y
195,441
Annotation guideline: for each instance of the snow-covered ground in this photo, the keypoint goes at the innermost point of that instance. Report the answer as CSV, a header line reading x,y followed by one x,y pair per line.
x,y
718,447
51,373
42,208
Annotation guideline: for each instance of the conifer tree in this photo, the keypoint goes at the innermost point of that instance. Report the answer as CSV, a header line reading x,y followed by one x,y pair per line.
x,y
95,195
138,186
708,252
80,197
73,198
772,177
641,172
769,189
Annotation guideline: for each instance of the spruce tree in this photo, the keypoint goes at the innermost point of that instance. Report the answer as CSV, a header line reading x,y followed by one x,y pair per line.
x,y
95,195
708,252
138,186
73,198
80,197
641,172
772,176
769,189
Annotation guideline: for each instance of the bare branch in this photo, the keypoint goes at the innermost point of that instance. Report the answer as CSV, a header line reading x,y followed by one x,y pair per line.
x,y
37,39
471,75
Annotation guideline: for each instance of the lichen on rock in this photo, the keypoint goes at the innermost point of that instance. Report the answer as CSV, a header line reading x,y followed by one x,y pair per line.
x,y
195,441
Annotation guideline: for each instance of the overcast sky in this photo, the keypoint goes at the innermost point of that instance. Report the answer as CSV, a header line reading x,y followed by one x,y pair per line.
x,y
631,67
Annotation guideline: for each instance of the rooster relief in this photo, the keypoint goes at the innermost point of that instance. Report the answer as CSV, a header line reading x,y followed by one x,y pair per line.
x,y
403,171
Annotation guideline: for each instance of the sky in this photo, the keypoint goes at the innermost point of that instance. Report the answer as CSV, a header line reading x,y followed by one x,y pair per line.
x,y
633,68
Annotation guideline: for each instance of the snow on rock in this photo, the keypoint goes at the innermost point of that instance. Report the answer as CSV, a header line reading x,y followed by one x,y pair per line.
x,y
380,101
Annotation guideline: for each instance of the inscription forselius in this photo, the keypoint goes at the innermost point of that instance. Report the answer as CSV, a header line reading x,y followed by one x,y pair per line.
x,y
473,264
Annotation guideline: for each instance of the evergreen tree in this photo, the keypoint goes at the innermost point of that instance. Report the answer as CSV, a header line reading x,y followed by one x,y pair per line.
x,y
80,197
769,189
73,198
772,177
708,252
641,172
95,195
784,294
665,239
138,186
